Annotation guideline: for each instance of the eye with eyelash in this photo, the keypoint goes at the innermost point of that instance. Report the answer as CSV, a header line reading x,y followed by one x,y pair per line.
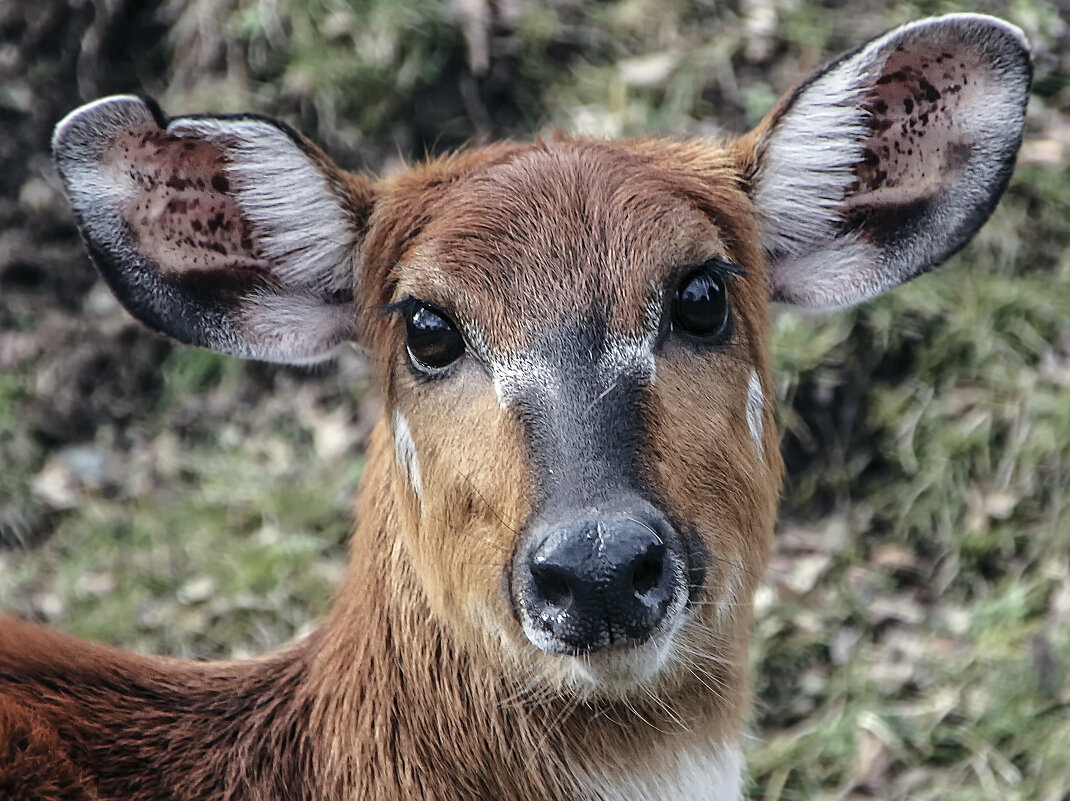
x,y
700,307
699,310
432,340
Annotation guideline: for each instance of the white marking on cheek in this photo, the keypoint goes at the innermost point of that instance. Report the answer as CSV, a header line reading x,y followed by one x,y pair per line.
x,y
756,411
405,449
503,388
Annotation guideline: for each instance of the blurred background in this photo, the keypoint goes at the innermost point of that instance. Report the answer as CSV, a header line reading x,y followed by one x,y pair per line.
x,y
913,636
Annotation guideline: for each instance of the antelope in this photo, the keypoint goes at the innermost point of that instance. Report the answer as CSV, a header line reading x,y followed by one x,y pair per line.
x,y
570,499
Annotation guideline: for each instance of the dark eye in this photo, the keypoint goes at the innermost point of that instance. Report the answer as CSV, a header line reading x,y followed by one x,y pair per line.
x,y
433,341
701,304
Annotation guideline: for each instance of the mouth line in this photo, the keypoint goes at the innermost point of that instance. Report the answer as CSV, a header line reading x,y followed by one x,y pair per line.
x,y
624,668
616,646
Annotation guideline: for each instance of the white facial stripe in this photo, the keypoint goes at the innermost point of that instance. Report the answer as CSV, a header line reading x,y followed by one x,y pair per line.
x,y
756,412
624,355
519,374
689,773
522,374
635,354
405,449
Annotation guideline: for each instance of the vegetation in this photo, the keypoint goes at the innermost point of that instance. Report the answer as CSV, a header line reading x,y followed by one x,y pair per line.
x,y
913,639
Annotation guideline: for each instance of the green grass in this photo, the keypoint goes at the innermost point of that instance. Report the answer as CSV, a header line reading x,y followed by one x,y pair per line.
x,y
947,453
236,549
217,529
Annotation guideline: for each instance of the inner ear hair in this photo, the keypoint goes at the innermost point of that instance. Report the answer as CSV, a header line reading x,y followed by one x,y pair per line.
x,y
887,161
230,232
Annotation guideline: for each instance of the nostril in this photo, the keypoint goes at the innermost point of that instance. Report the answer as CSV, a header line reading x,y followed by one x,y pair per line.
x,y
648,570
594,582
552,582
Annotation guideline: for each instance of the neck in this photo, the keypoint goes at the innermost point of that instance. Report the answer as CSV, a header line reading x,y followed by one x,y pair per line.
x,y
404,713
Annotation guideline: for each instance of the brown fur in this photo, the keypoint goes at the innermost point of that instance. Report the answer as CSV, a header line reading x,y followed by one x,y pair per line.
x,y
140,728
422,682
34,763
406,691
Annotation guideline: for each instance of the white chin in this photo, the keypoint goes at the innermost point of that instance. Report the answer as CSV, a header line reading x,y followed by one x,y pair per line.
x,y
616,671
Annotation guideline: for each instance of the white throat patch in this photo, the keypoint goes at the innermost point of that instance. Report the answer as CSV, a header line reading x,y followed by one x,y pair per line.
x,y
686,774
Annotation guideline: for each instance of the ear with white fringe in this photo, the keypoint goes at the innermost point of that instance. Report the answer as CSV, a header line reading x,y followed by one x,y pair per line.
x,y
233,232
885,162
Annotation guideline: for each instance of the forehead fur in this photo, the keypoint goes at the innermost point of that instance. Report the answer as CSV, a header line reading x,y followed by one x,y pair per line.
x,y
561,227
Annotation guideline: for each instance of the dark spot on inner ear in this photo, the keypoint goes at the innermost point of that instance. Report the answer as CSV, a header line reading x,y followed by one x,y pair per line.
x,y
216,222
220,182
932,94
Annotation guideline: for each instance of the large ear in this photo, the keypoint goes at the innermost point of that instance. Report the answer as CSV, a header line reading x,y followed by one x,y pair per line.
x,y
884,163
233,233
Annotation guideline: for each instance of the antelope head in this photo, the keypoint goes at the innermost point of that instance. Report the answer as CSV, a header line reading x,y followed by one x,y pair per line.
x,y
578,472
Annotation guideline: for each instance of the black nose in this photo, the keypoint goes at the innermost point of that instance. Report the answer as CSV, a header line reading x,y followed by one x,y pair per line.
x,y
596,583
